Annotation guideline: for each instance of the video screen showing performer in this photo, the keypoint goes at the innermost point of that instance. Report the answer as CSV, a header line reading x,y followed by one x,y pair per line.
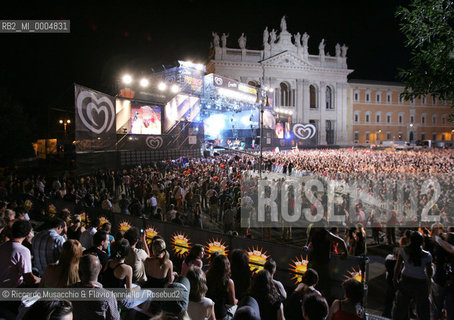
x,y
146,120
279,130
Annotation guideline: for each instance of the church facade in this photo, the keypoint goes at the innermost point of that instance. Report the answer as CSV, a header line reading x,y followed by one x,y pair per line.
x,y
307,88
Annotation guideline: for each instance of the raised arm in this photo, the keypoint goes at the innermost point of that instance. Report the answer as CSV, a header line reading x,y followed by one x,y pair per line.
x,y
444,244
339,240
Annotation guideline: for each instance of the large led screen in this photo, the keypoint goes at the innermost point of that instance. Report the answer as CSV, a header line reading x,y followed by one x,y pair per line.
x,y
145,119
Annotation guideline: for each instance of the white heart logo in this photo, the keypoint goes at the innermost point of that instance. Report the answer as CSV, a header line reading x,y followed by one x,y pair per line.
x,y
104,105
154,142
304,131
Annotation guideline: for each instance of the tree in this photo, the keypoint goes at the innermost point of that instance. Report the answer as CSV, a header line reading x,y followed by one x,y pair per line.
x,y
15,131
427,26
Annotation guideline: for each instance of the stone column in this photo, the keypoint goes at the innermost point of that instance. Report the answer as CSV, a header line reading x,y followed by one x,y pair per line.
x,y
322,109
306,102
299,100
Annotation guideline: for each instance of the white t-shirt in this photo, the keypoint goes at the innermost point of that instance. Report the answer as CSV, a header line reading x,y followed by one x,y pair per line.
x,y
16,261
200,310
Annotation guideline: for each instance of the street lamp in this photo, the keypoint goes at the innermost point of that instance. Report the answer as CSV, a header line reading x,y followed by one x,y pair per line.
x,y
64,123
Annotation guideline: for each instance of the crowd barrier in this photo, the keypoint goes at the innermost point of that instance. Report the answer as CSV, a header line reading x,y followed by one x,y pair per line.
x,y
291,260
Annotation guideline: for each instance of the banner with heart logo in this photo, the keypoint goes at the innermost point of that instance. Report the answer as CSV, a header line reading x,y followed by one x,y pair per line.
x,y
306,133
95,120
153,142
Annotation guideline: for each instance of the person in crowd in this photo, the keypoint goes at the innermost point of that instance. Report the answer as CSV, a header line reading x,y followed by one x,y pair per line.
x,y
229,217
65,272
240,272
221,289
414,267
248,309
390,265
293,305
200,307
107,227
264,291
158,267
15,262
315,307
158,215
350,307
48,243
194,258
101,241
360,241
50,310
86,238
177,309
116,273
106,308
152,204
442,295
136,257
124,204
171,214
197,213
321,240
75,229
270,266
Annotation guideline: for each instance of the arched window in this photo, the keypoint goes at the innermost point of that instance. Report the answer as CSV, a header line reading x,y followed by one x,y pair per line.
x,y
313,97
285,94
329,98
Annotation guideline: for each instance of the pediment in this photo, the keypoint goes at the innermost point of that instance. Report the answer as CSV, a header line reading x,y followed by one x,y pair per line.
x,y
286,59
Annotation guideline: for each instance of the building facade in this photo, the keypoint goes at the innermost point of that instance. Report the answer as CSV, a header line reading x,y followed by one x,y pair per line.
x,y
381,114
307,88
315,89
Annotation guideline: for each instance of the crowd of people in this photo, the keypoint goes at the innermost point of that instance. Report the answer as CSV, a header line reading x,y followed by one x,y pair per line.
x,y
63,252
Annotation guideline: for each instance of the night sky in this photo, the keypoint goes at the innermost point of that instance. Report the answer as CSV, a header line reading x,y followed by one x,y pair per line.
x,y
110,37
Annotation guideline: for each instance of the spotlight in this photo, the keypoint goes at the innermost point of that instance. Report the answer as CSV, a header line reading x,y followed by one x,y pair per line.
x,y
162,86
271,90
175,88
144,82
127,79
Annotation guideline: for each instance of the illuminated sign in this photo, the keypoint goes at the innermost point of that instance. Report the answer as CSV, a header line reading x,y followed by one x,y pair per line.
x,y
124,226
150,233
257,259
85,219
298,268
355,274
103,220
180,244
216,245
234,89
